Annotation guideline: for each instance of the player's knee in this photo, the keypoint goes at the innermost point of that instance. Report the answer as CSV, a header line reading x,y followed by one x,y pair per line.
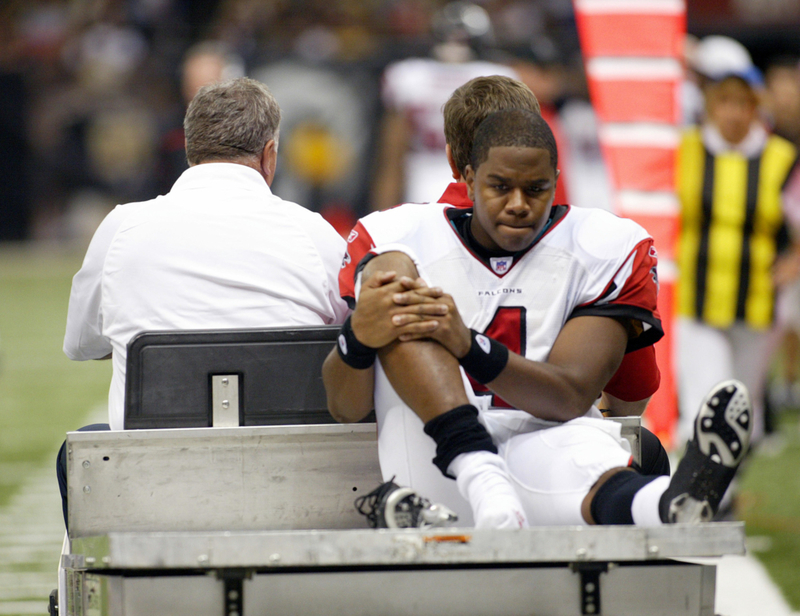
x,y
393,261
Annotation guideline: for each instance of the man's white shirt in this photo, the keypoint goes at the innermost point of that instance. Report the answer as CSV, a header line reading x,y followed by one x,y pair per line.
x,y
219,251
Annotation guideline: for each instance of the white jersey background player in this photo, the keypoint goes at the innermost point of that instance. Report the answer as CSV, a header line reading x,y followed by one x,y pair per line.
x,y
411,166
561,293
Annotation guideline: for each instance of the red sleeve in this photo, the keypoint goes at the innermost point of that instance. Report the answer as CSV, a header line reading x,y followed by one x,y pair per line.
x,y
359,243
637,298
641,287
637,377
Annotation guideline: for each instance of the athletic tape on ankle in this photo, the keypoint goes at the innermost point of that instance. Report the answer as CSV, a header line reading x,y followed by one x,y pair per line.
x,y
486,358
352,352
457,431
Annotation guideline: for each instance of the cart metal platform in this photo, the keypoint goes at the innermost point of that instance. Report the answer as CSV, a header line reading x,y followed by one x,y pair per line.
x,y
172,521
259,519
557,571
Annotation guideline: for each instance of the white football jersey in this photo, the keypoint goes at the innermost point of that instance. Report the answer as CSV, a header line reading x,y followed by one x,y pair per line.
x,y
587,262
418,88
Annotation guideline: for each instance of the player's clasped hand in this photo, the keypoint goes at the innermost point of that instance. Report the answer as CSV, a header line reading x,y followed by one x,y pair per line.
x,y
432,304
373,320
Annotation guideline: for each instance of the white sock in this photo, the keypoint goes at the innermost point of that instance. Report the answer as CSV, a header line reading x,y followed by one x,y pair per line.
x,y
482,478
644,508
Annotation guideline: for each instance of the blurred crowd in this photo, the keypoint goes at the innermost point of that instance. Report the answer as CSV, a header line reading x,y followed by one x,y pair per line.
x,y
92,92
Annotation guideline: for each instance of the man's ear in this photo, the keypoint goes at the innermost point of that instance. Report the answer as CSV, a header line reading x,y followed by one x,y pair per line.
x,y
469,179
453,168
269,161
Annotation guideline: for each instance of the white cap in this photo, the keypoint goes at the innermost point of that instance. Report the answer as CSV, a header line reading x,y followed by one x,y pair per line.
x,y
718,57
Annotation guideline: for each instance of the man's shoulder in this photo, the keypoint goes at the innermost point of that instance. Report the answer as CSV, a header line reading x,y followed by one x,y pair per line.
x,y
782,146
597,234
312,224
300,212
125,214
580,217
404,216
133,207
407,67
401,79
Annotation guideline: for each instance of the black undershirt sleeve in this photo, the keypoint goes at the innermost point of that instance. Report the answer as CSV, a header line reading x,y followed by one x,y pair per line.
x,y
643,327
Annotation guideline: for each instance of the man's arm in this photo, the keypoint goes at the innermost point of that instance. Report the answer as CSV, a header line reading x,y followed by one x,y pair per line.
x,y
584,357
84,338
616,407
349,391
633,384
387,190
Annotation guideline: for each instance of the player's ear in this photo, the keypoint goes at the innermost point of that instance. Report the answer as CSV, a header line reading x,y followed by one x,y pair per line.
x,y
269,161
453,168
469,179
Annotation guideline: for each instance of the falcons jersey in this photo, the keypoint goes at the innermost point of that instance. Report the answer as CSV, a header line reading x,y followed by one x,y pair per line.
x,y
587,262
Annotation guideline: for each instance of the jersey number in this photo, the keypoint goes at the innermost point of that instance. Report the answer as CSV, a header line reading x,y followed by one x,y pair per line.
x,y
508,327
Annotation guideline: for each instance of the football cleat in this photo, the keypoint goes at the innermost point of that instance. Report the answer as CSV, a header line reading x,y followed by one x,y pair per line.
x,y
721,438
392,506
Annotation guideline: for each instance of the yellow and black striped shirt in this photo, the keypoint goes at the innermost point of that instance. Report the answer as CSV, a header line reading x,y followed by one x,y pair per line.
x,y
732,227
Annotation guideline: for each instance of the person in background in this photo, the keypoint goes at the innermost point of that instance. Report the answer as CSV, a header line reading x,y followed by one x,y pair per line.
x,y
734,243
411,166
203,64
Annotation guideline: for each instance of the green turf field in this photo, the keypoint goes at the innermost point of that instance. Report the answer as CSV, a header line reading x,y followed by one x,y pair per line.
x,y
769,504
43,394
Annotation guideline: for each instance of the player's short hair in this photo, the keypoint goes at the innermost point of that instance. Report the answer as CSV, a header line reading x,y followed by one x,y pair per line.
x,y
515,128
230,120
469,105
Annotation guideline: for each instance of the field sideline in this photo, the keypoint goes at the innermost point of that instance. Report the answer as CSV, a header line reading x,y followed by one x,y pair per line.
x,y
43,394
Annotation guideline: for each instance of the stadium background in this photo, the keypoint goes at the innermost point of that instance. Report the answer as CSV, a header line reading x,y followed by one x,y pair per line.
x,y
89,102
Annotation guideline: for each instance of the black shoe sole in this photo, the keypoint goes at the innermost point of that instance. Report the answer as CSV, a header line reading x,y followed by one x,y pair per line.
x,y
722,427
721,438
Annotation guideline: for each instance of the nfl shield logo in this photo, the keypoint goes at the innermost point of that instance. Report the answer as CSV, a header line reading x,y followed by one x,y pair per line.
x,y
501,265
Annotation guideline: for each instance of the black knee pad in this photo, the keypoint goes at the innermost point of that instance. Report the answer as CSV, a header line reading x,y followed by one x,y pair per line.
x,y
655,460
612,502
